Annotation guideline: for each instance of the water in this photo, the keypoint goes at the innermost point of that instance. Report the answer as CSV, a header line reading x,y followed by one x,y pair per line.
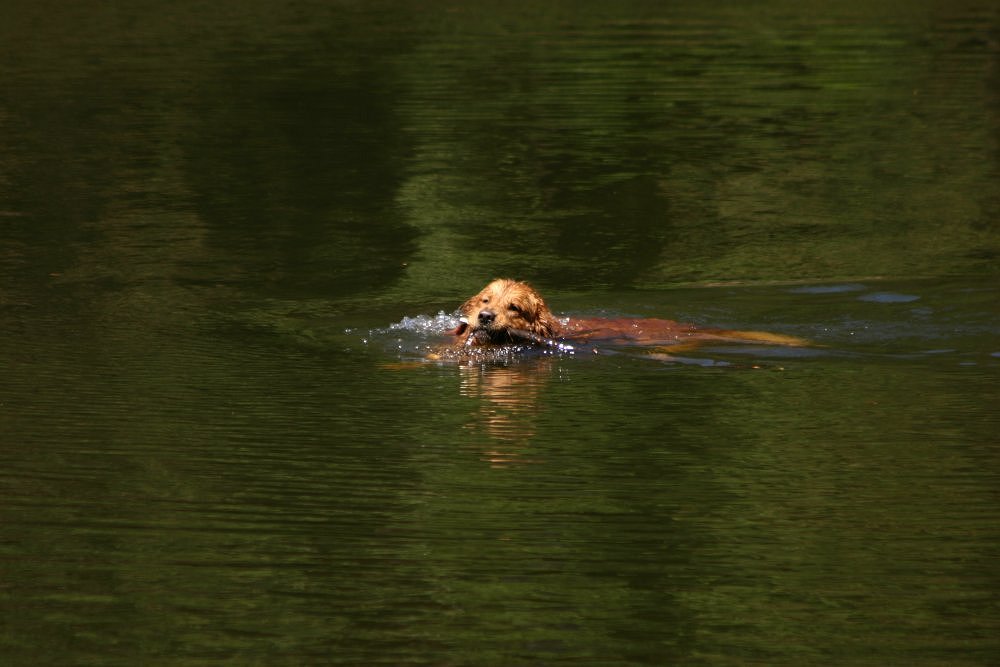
x,y
230,236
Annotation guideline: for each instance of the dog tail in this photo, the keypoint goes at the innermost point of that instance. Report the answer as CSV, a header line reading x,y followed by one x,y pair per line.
x,y
764,338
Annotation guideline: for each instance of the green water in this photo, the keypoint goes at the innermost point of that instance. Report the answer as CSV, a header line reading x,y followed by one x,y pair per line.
x,y
227,235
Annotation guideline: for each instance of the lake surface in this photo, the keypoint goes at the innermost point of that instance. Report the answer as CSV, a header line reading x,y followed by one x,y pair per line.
x,y
230,233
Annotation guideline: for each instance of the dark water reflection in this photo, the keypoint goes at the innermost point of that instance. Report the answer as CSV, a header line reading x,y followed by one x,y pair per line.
x,y
229,235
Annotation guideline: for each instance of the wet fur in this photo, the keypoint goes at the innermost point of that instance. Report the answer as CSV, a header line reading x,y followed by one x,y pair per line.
x,y
507,311
510,311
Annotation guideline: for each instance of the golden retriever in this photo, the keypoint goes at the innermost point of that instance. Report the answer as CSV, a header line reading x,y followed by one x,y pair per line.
x,y
512,312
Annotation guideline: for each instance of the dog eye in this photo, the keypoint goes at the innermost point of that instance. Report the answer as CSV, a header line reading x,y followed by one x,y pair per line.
x,y
514,308
486,299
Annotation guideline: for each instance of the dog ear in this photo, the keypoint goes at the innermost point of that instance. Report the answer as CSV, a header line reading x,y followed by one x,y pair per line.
x,y
543,322
546,325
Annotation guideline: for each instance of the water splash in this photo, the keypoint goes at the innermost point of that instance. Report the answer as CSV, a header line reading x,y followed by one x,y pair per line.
x,y
414,337
426,336
426,324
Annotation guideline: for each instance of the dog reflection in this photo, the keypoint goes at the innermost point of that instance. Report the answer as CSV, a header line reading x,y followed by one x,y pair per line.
x,y
508,408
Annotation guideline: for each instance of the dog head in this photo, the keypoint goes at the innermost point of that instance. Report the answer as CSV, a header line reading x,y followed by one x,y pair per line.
x,y
507,311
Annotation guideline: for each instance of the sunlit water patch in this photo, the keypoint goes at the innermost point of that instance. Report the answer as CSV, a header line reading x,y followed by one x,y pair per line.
x,y
928,321
888,297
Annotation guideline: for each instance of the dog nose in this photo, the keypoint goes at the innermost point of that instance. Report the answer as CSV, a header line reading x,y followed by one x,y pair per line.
x,y
486,316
